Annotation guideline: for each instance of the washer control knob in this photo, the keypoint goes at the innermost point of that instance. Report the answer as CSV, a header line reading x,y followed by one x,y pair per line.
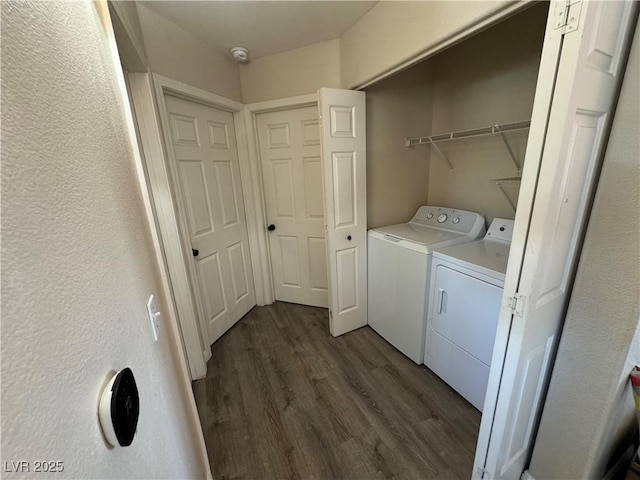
x,y
429,215
442,218
456,220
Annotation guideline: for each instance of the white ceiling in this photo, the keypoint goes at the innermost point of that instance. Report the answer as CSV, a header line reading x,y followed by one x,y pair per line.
x,y
264,27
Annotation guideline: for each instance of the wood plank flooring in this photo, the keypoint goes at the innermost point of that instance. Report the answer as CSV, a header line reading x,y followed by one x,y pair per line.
x,y
284,399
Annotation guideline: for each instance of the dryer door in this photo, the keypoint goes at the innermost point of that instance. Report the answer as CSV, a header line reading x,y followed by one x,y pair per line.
x,y
462,327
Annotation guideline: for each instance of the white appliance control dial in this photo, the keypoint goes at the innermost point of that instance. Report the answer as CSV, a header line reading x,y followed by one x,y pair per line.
x,y
456,220
442,218
430,215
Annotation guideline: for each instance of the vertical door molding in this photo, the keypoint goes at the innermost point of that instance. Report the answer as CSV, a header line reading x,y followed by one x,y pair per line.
x,y
166,215
252,193
253,189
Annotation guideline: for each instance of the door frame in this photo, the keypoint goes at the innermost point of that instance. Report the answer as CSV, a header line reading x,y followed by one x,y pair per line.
x,y
255,201
148,91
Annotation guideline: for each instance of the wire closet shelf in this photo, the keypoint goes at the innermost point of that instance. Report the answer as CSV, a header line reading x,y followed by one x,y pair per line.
x,y
502,183
474,132
499,129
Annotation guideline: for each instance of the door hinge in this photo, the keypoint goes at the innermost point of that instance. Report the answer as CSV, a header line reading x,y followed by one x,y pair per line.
x,y
517,303
482,472
567,15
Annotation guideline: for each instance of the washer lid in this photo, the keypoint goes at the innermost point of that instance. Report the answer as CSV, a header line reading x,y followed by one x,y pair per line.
x,y
485,256
428,237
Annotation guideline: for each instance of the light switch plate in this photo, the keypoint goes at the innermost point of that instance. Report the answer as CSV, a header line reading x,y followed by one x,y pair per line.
x,y
154,316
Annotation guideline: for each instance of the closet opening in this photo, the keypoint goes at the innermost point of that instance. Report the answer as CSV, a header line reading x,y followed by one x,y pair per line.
x,y
446,139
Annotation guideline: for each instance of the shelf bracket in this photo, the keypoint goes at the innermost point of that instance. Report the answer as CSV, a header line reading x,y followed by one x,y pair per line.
x,y
511,153
442,156
504,192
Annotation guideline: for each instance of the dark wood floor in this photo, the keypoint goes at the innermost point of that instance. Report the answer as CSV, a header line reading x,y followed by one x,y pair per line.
x,y
284,399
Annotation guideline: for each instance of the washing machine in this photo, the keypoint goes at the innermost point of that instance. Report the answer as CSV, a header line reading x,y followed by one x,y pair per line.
x,y
399,257
465,295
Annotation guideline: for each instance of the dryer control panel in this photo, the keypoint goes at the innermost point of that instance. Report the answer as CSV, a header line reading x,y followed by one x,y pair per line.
x,y
459,221
500,229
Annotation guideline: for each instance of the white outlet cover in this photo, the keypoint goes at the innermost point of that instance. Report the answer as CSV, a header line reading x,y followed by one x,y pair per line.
x,y
154,316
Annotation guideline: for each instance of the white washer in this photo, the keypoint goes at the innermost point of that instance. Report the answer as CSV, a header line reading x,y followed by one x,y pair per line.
x,y
464,298
399,257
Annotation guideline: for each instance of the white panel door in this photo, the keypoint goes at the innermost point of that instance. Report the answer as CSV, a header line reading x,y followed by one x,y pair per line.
x,y
292,177
343,146
207,182
568,135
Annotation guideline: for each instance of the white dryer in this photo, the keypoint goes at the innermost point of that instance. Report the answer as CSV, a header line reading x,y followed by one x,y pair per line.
x,y
464,304
399,257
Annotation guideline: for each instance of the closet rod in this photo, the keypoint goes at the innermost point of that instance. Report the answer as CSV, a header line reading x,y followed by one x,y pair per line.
x,y
475,132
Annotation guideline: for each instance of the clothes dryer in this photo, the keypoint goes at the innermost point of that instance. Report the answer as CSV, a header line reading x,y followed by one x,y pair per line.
x,y
464,304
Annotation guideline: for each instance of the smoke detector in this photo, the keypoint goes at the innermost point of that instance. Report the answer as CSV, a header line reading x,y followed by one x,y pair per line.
x,y
240,54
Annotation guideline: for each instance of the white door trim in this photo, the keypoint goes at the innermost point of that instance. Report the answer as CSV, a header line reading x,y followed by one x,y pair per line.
x,y
160,192
255,204
168,85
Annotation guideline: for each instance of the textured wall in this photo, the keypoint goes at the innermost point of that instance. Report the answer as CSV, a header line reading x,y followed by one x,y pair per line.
x,y
295,72
397,177
589,408
77,261
177,54
488,79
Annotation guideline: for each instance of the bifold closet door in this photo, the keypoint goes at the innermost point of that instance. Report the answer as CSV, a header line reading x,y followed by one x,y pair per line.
x,y
343,142
579,78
